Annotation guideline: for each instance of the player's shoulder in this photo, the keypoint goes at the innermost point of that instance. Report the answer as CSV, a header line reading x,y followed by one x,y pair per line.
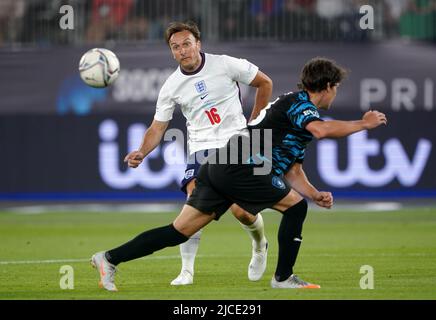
x,y
175,75
172,80
220,58
221,62
296,96
217,56
298,101
286,99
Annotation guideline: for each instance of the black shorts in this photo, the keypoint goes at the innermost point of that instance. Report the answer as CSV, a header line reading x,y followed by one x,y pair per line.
x,y
218,186
193,166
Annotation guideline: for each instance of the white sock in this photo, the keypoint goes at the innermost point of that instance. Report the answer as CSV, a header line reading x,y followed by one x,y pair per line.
x,y
188,251
256,232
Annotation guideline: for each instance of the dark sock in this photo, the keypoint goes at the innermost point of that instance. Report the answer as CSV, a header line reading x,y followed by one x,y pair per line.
x,y
146,243
289,238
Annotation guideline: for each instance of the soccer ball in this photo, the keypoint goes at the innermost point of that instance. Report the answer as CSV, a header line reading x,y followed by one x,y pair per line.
x,y
99,68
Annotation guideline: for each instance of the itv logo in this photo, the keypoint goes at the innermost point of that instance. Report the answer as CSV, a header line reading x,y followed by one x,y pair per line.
x,y
173,155
397,162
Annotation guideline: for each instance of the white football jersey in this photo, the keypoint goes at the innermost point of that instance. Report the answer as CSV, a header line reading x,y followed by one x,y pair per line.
x,y
209,98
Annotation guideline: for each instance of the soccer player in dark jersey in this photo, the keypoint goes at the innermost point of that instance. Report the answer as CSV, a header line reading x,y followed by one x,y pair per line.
x,y
293,120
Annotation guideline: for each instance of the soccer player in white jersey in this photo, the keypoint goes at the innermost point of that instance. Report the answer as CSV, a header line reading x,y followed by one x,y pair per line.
x,y
206,88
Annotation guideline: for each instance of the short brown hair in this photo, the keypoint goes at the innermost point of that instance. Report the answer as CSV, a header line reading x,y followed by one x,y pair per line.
x,y
178,26
318,72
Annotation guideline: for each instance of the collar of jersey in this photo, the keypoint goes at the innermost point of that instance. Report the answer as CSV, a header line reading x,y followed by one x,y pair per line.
x,y
303,95
203,60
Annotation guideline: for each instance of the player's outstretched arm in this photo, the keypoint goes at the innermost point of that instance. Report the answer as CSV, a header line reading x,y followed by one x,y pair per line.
x,y
264,87
339,129
298,180
152,138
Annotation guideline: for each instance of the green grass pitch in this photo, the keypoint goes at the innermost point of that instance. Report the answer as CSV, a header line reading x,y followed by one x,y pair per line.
x,y
400,246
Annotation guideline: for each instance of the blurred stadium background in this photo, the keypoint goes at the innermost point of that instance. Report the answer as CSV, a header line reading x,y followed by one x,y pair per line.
x,y
62,142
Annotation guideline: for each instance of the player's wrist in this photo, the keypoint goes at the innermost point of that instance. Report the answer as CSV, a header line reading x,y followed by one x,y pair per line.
x,y
140,153
314,195
365,125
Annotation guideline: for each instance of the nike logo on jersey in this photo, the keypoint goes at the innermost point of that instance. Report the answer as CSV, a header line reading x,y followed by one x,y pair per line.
x,y
204,96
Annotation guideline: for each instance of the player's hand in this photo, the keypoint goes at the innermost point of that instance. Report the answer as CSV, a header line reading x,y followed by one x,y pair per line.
x,y
373,119
324,199
134,159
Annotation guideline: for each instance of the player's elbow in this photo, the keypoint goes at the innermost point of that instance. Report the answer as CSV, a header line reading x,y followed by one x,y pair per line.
x,y
318,132
295,174
268,84
320,135
262,81
318,129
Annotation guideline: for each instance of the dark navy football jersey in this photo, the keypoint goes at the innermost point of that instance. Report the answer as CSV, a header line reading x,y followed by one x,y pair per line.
x,y
287,117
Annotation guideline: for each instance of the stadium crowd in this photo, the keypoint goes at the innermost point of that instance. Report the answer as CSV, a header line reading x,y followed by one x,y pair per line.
x,y
37,21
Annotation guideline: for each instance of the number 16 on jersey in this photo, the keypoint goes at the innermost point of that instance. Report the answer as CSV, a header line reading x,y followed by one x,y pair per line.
x,y
213,116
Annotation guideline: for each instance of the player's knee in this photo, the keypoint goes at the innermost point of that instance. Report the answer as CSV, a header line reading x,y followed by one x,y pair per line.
x,y
183,229
301,209
243,216
292,199
294,218
298,210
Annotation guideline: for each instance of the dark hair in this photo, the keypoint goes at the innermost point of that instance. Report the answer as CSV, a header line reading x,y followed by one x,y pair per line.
x,y
318,72
178,26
